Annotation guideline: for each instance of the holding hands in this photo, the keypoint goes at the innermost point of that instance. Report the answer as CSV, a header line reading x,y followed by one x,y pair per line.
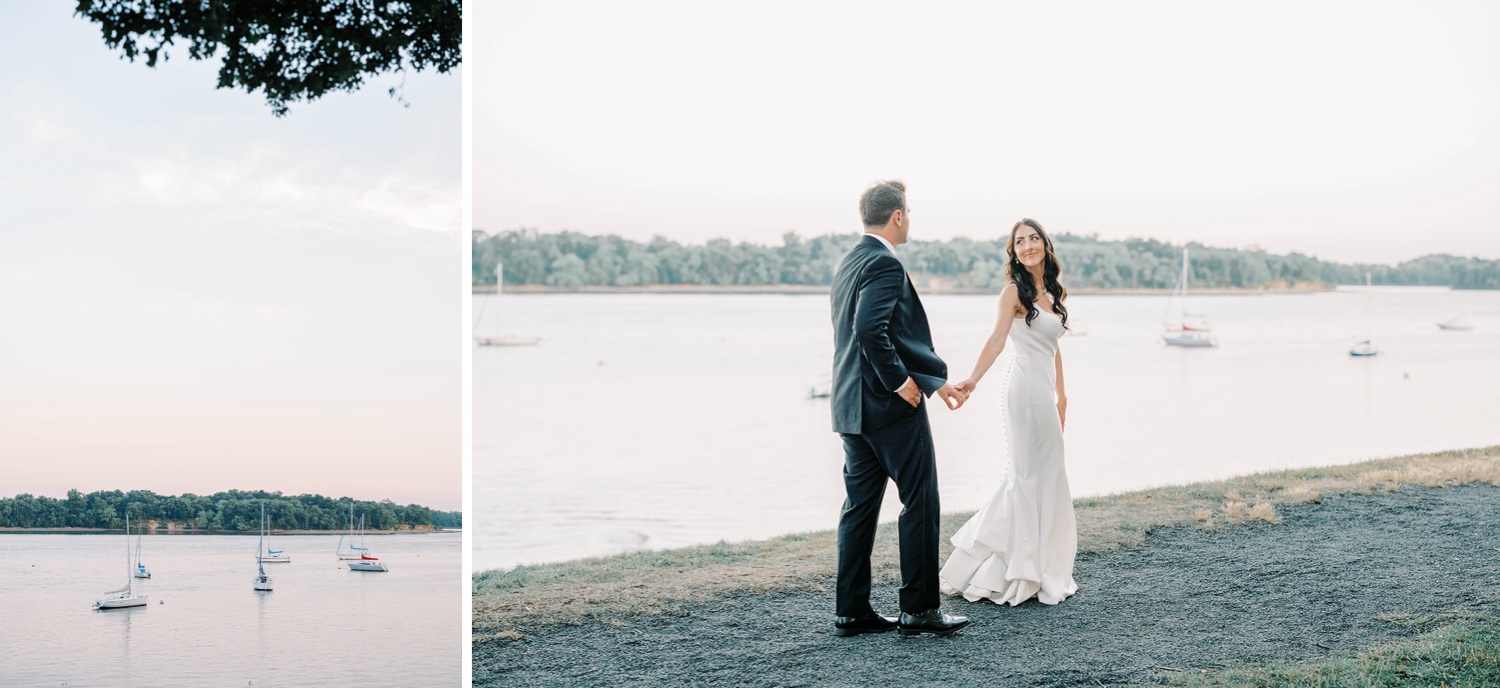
x,y
951,396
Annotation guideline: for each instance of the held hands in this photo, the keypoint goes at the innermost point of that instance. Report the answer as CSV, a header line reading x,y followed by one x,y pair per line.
x,y
967,386
953,398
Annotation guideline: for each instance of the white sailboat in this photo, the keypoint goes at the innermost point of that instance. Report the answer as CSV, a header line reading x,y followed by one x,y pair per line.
x,y
123,597
822,388
1459,324
140,570
1186,329
351,554
273,556
1365,347
501,340
365,561
261,581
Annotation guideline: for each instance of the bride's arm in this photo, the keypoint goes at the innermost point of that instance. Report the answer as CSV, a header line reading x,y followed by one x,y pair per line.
x,y
1062,396
996,343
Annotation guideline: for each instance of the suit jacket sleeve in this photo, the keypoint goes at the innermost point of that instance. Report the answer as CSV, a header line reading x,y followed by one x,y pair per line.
x,y
872,321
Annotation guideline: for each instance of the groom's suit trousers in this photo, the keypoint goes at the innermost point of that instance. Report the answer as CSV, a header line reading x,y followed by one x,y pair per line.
x,y
901,452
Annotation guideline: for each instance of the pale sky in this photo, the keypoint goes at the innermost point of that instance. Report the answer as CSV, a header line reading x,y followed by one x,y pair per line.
x,y
197,296
1352,131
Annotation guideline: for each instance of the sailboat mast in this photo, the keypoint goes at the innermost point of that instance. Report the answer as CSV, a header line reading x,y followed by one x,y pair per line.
x,y
259,545
1187,274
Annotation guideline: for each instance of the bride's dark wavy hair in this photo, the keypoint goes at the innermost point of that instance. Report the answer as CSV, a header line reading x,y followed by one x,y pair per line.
x,y
1021,277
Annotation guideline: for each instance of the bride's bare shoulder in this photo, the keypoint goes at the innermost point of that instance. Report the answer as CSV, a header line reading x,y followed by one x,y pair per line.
x,y
1009,298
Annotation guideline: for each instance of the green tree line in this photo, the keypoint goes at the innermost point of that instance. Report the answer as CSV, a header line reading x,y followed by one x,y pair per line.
x,y
572,259
232,510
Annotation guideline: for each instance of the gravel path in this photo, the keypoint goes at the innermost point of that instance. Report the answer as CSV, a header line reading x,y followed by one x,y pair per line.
x,y
1247,595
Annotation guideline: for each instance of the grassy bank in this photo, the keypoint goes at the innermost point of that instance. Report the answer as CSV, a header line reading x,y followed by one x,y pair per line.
x,y
607,590
1461,650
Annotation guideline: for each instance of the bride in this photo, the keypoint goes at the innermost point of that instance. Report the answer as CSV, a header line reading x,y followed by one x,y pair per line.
x,y
1022,542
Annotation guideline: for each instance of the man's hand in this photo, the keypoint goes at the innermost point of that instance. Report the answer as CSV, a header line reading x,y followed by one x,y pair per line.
x,y
953,397
910,393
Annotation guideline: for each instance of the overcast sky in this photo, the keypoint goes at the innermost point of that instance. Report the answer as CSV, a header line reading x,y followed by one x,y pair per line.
x,y
1353,131
197,296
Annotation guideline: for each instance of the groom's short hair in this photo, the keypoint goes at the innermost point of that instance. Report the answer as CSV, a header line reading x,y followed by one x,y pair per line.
x,y
880,201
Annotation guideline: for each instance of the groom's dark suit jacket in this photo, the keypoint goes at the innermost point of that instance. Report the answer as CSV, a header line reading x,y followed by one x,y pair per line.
x,y
880,336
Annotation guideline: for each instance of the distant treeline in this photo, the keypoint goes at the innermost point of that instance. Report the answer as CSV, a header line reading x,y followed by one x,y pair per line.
x,y
571,259
232,510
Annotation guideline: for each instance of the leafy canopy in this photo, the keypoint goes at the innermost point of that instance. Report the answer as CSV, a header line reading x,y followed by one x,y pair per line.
x,y
292,50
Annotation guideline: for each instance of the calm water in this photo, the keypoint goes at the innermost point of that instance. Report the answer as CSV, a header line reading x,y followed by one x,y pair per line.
x,y
666,420
323,625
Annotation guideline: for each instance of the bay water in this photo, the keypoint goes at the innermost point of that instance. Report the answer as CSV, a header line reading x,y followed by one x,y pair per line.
x,y
661,420
322,625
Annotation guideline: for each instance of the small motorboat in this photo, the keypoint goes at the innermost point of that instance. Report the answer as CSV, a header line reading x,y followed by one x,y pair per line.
x,y
1363,349
1456,325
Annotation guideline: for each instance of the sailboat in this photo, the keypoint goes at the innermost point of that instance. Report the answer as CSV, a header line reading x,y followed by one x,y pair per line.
x,y
499,341
261,581
822,388
1191,330
365,561
140,568
1365,347
353,553
1459,324
123,597
273,556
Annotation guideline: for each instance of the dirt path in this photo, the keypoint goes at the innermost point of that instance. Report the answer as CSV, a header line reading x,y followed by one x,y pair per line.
x,y
1248,595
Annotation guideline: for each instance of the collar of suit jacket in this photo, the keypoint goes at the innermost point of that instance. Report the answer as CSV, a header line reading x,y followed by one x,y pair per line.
x,y
883,242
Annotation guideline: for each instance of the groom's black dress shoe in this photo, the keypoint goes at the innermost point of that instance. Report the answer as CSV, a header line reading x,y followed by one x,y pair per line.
x,y
931,621
869,623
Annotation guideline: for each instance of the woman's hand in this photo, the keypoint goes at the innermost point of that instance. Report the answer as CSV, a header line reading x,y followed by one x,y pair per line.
x,y
1062,412
966,386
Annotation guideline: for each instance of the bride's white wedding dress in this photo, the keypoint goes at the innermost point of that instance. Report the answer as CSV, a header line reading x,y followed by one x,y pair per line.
x,y
1022,542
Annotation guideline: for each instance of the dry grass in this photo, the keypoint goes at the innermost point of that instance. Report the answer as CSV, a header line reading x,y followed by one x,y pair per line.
x,y
1264,511
611,588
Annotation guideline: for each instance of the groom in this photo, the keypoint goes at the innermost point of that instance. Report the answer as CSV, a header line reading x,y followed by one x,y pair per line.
x,y
883,365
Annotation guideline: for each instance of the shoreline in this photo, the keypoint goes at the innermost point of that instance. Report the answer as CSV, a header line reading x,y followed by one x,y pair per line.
x,y
932,289
1373,573
654,582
